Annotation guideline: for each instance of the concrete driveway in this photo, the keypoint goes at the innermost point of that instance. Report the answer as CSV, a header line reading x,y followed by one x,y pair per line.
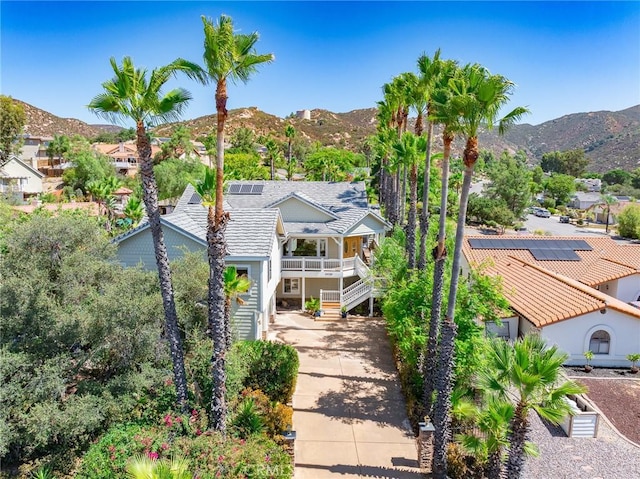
x,y
349,412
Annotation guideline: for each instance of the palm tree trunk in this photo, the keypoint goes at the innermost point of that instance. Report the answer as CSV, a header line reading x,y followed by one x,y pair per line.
x,y
494,464
273,169
424,216
227,323
446,360
517,440
444,388
410,245
440,254
216,254
150,197
216,299
403,195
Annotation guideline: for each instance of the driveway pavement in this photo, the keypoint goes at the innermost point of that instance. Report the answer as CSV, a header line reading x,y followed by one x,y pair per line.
x,y
349,413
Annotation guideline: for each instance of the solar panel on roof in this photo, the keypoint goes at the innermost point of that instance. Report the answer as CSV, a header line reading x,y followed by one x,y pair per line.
x,y
555,255
245,189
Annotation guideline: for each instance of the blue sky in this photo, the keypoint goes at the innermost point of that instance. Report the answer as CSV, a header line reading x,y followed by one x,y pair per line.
x,y
565,57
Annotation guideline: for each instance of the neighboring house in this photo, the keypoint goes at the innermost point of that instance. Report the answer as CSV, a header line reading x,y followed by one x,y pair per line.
x,y
592,184
574,291
582,201
19,179
33,152
600,211
123,155
295,240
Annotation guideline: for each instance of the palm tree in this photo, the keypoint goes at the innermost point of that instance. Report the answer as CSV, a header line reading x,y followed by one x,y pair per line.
x,y
492,422
228,56
273,152
429,70
478,96
441,113
133,95
234,286
290,133
57,148
608,201
133,209
528,374
407,149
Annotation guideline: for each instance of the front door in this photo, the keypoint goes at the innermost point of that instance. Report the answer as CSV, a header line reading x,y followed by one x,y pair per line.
x,y
351,246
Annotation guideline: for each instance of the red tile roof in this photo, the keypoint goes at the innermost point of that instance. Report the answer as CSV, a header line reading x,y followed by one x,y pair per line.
x,y
544,297
606,261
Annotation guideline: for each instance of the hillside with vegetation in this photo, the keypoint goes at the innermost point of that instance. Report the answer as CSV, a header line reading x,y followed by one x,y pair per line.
x,y
43,123
610,139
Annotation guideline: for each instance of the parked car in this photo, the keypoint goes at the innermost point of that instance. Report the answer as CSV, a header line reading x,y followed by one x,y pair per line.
x,y
542,213
564,219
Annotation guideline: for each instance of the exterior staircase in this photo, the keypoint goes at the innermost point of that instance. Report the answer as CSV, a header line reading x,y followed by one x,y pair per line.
x,y
367,287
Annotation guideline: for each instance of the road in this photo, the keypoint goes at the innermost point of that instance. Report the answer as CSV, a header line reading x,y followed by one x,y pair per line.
x,y
553,226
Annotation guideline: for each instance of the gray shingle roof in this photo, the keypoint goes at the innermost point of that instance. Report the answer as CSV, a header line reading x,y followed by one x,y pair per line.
x,y
346,201
254,217
250,232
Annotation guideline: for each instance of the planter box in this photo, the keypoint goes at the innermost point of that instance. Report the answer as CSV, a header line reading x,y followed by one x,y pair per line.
x,y
584,422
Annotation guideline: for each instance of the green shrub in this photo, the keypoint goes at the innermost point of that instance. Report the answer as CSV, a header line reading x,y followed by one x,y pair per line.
x,y
208,455
312,305
247,421
629,222
271,367
276,417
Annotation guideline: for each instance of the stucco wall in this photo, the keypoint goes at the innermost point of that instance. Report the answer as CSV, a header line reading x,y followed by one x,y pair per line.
x,y
573,336
628,288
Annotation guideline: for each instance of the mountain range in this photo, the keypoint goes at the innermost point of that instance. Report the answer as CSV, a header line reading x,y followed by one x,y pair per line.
x,y
610,139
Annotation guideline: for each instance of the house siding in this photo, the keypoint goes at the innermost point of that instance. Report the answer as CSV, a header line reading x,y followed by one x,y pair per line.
x,y
293,209
139,248
33,184
245,318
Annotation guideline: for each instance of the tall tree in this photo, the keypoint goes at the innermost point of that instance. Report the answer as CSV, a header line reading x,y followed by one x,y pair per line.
x,y
607,201
290,133
228,56
12,120
429,70
479,97
273,153
57,148
530,372
441,113
407,150
132,94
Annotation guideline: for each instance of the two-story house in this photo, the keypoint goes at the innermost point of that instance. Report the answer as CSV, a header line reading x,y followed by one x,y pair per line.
x,y
18,179
294,240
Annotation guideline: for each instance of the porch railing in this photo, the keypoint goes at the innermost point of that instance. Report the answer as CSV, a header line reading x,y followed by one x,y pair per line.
x,y
302,263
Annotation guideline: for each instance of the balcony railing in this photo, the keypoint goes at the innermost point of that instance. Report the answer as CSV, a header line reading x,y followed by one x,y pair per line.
x,y
301,263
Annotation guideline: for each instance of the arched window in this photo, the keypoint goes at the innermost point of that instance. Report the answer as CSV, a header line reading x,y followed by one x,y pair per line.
x,y
599,342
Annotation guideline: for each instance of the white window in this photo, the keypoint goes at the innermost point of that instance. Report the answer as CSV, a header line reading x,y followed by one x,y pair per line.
x,y
599,342
291,285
